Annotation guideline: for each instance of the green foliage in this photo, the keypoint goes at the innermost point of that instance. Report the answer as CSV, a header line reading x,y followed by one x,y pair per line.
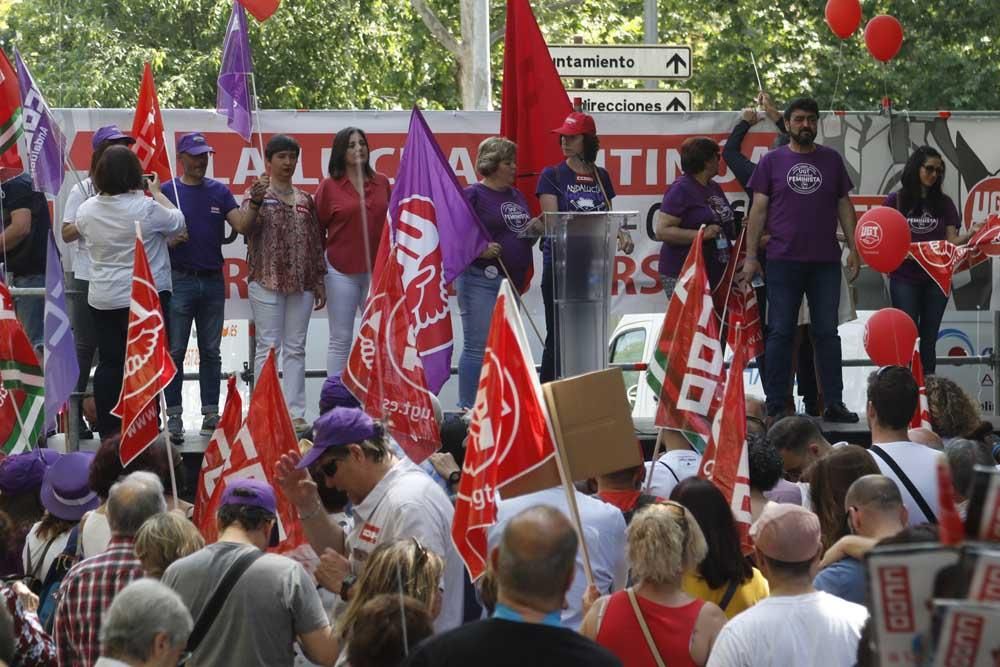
x,y
377,54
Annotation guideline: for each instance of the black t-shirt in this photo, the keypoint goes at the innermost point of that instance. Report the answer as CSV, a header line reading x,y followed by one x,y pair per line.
x,y
499,643
27,258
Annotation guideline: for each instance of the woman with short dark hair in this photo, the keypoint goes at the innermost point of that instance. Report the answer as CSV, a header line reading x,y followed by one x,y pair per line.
x,y
351,183
286,271
107,225
692,201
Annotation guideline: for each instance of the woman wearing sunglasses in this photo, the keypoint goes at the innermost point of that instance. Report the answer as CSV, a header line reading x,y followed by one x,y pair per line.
x,y
932,216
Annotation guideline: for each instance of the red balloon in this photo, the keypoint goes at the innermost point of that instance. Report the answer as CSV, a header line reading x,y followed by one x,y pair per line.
x,y
843,17
890,336
883,37
882,237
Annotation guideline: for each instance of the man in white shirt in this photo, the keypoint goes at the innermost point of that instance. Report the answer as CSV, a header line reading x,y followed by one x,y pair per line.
x,y
393,499
678,462
604,533
892,399
796,625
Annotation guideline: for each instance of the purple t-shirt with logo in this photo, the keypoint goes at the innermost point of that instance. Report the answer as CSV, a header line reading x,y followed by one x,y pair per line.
x,y
696,205
925,225
504,214
574,192
204,207
803,190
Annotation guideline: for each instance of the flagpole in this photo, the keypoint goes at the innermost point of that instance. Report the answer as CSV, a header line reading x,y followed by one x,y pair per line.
x,y
170,450
256,113
652,464
368,265
520,303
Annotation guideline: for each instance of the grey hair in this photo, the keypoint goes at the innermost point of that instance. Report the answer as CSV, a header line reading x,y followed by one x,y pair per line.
x,y
140,611
538,573
963,456
132,500
493,151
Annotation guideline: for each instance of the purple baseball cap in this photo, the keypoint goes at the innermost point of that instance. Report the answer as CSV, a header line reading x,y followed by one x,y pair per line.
x,y
340,426
250,492
65,491
22,473
194,143
109,133
335,395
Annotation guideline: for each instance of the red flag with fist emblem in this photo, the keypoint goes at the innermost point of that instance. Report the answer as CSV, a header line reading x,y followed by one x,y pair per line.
x,y
385,371
736,302
147,127
726,461
148,366
214,462
508,435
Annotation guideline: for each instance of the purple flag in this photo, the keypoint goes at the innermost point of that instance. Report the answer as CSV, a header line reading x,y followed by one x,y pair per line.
x,y
45,141
233,97
438,235
61,366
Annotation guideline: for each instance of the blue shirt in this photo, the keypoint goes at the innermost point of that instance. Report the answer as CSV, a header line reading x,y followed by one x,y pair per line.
x,y
574,193
204,207
845,579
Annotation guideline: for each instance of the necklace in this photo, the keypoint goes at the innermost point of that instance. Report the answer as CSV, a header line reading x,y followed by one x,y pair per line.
x,y
289,191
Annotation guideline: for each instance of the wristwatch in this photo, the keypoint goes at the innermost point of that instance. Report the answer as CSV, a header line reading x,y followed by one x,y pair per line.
x,y
454,478
346,585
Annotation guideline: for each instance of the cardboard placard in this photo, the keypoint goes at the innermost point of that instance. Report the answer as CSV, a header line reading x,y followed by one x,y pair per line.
x,y
983,520
592,427
967,634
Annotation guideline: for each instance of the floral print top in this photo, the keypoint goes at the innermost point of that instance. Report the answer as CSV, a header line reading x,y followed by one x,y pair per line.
x,y
285,245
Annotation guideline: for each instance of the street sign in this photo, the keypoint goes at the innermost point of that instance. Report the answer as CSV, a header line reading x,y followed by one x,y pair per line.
x,y
632,101
621,62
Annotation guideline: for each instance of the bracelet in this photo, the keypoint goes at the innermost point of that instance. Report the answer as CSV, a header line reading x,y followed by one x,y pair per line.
x,y
255,204
310,515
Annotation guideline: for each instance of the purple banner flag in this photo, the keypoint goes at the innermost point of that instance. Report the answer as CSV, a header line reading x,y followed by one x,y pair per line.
x,y
438,235
233,97
45,141
61,366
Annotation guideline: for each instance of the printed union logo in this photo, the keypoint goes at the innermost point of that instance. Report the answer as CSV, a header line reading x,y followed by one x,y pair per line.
x,y
925,224
982,201
804,178
515,217
870,235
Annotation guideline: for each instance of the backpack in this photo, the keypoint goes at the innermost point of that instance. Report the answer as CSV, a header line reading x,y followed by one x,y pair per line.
x,y
48,598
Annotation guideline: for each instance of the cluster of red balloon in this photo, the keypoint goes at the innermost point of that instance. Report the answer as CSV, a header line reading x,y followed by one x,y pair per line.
x,y
883,34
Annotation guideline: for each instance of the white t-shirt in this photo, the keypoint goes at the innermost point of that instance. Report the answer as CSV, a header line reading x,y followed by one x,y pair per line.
x,y
35,546
604,531
670,469
79,259
407,503
96,534
106,224
812,629
919,462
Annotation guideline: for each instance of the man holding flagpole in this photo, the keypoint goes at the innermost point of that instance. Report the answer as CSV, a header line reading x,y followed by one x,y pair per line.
x,y
26,222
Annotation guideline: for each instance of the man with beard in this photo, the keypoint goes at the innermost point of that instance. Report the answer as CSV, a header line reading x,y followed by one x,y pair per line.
x,y
800,195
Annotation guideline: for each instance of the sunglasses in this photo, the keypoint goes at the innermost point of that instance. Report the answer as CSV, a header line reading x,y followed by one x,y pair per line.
x,y
329,468
930,169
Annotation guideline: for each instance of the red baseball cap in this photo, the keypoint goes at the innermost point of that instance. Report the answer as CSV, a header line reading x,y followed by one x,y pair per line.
x,y
577,123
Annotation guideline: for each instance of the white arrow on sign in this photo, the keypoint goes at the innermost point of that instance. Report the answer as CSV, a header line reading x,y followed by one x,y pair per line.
x,y
622,62
632,101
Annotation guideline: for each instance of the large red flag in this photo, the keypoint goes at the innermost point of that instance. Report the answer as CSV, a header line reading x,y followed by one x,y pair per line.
x,y
384,370
148,366
736,302
922,415
150,145
266,434
726,461
215,460
261,9
686,371
941,259
508,435
11,127
534,101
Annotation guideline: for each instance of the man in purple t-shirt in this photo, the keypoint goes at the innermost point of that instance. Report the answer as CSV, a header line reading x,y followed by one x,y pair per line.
x,y
801,194
198,288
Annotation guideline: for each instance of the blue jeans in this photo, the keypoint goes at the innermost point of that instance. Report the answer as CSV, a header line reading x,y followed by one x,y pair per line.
x,y
924,303
31,309
787,283
200,299
477,295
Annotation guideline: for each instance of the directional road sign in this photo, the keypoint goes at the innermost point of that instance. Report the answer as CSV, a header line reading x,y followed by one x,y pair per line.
x,y
622,62
632,101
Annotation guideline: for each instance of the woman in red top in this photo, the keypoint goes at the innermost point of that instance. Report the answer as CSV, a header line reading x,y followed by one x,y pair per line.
x,y
656,622
349,255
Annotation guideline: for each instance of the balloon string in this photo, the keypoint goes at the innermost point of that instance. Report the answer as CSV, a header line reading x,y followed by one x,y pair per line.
x,y
840,69
887,104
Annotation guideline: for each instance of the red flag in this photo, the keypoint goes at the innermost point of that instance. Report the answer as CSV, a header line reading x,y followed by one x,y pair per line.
x,y
735,302
951,527
686,371
11,127
941,259
987,239
384,370
261,9
148,366
922,415
215,460
266,434
21,382
150,145
726,460
534,101
508,435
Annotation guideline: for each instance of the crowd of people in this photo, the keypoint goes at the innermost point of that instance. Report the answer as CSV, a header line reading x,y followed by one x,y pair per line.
x,y
105,568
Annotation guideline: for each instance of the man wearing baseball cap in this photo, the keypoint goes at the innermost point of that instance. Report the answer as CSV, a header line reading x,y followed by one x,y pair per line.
x,y
393,499
263,602
199,289
796,625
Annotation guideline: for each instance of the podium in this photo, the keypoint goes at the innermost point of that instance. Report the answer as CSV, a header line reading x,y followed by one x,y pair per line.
x,y
583,263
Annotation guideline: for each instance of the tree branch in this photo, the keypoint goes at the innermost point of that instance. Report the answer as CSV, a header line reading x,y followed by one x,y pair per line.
x,y
441,34
498,34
